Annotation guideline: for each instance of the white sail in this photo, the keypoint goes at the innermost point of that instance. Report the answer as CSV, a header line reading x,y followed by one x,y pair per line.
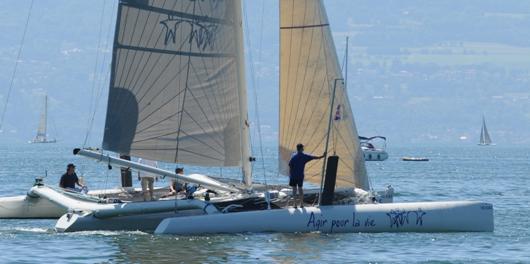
x,y
484,135
177,90
42,130
308,70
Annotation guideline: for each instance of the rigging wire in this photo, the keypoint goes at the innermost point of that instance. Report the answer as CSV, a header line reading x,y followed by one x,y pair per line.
x,y
344,68
106,73
11,84
255,84
92,106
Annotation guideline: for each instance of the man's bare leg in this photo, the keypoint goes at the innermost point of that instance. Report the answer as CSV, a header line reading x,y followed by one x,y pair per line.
x,y
144,188
301,195
295,198
151,182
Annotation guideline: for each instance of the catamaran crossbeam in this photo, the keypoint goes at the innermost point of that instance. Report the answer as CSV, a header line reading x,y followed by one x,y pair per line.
x,y
203,180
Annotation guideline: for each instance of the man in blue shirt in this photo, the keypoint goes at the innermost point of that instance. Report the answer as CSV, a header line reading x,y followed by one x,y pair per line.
x,y
296,172
69,179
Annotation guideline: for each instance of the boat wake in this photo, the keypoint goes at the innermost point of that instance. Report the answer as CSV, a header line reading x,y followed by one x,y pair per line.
x,y
107,233
17,230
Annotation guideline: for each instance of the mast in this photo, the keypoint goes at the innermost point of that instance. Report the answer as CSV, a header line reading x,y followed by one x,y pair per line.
x,y
330,123
243,107
346,66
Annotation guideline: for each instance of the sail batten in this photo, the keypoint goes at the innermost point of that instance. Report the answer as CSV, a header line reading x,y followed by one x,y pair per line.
x,y
171,52
178,14
308,70
175,91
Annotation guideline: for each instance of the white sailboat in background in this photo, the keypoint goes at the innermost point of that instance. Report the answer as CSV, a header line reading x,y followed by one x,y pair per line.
x,y
178,94
42,131
485,139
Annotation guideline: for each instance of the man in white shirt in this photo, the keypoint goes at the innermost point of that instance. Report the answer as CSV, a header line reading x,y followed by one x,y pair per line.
x,y
147,179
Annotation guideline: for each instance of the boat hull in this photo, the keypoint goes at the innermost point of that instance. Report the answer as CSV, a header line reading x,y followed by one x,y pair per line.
x,y
33,206
375,155
74,222
27,207
87,215
414,159
459,216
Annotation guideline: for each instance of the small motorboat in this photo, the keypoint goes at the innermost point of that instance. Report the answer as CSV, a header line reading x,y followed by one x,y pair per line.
x,y
370,151
414,159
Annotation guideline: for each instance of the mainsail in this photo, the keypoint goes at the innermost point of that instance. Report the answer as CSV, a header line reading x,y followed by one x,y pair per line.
x,y
308,70
484,135
177,90
42,130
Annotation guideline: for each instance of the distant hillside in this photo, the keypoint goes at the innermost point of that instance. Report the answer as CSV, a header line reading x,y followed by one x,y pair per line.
x,y
419,71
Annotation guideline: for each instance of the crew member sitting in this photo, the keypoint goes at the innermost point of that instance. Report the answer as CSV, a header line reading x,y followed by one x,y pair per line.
x,y
175,186
70,179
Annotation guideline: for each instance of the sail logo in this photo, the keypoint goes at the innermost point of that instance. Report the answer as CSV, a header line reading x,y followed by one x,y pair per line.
x,y
201,34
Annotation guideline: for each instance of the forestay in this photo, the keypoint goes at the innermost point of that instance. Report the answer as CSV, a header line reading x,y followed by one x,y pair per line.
x,y
308,69
176,83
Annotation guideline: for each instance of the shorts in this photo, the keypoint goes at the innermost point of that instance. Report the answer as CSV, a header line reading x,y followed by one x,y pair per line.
x,y
147,183
296,182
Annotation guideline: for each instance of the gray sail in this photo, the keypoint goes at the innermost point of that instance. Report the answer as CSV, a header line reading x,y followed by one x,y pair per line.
x,y
177,82
484,135
308,69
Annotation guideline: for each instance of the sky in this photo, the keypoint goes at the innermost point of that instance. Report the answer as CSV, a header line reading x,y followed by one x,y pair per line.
x,y
420,72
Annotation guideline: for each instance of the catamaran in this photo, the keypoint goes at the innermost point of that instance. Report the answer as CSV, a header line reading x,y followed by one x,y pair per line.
x,y
42,131
178,94
485,139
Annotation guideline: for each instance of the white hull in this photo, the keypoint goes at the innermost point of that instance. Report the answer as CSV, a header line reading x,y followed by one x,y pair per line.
x,y
74,222
35,207
86,214
190,217
461,216
23,206
42,142
414,159
375,155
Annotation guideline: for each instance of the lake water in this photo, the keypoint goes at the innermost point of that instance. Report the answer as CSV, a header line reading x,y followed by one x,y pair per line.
x,y
499,175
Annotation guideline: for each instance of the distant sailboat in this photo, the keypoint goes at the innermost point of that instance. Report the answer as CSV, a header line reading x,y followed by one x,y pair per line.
x,y
42,136
485,139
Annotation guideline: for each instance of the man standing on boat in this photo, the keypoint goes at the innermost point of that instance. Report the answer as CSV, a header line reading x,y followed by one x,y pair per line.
x,y
147,179
70,179
296,172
